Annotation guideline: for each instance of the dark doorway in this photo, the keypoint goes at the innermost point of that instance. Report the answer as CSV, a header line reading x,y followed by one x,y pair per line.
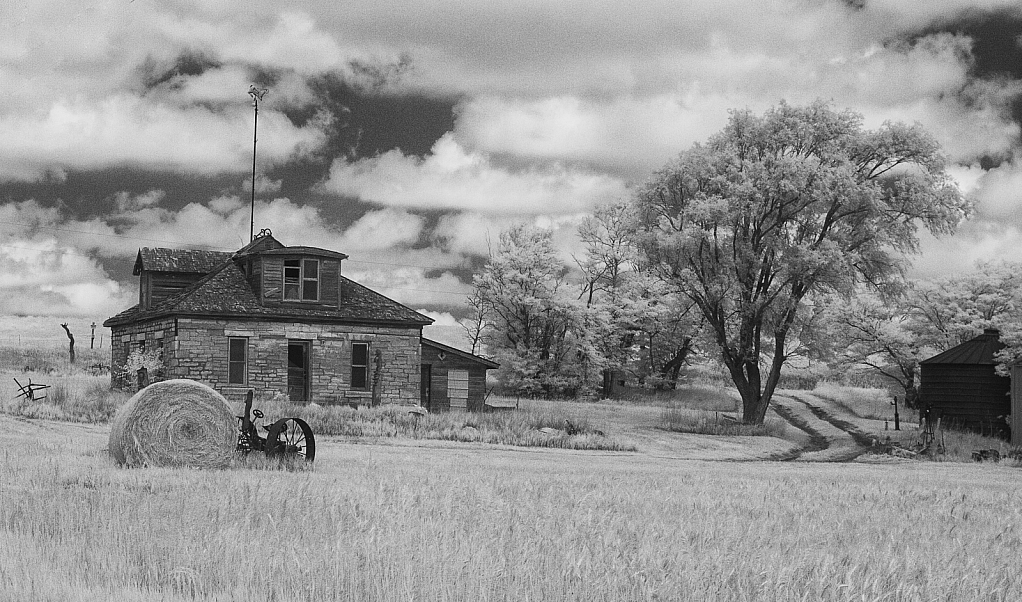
x,y
427,381
298,370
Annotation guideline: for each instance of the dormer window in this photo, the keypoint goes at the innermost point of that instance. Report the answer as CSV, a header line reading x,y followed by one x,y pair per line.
x,y
301,280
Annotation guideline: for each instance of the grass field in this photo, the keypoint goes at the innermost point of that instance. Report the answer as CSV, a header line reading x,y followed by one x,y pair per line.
x,y
390,516
468,522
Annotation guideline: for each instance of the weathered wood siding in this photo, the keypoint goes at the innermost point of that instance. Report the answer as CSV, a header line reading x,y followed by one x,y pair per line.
x,y
271,272
329,282
969,396
439,400
157,286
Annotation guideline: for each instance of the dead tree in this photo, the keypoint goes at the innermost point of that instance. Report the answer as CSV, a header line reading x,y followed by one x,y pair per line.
x,y
71,344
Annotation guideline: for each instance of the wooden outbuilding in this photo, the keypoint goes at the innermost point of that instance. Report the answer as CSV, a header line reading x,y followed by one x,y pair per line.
x,y
961,387
452,379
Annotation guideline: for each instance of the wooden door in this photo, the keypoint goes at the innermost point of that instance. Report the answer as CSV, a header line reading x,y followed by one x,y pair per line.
x,y
425,386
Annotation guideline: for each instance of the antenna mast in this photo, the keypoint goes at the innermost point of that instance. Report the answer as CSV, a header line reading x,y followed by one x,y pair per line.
x,y
257,95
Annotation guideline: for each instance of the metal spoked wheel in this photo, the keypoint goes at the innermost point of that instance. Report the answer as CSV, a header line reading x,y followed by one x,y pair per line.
x,y
291,438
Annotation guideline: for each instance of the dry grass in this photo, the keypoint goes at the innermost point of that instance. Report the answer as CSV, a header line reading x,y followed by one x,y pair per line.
x,y
574,429
684,420
864,402
390,523
711,398
75,395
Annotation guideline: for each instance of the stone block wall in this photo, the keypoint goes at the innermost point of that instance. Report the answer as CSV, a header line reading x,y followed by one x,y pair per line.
x,y
154,334
200,352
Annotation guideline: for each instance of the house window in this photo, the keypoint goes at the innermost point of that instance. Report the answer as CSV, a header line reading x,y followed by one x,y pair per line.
x,y
457,389
237,361
360,366
301,279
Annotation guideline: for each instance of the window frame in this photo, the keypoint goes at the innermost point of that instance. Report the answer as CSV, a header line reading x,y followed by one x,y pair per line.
x,y
302,280
231,362
361,367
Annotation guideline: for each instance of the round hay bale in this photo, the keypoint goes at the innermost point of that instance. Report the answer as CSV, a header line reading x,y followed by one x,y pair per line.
x,y
175,423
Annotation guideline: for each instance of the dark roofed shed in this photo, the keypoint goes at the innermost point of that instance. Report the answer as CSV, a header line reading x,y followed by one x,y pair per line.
x,y
452,379
961,386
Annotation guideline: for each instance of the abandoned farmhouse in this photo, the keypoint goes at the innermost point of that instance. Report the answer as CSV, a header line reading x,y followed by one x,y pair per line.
x,y
283,320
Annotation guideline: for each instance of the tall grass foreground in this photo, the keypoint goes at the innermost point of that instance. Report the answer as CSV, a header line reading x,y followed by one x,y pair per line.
x,y
383,523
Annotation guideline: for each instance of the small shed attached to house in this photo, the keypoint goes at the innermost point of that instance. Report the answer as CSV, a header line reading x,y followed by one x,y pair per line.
x,y
961,387
452,379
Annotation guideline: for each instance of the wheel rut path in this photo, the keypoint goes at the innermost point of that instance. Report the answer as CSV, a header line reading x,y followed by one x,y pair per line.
x,y
830,433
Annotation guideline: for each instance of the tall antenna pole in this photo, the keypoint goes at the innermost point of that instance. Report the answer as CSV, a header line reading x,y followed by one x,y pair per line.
x,y
257,95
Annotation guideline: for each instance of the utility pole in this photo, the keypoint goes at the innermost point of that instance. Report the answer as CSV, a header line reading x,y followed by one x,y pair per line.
x,y
257,95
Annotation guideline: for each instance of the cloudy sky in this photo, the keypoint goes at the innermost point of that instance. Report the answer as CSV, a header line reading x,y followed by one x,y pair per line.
x,y
409,133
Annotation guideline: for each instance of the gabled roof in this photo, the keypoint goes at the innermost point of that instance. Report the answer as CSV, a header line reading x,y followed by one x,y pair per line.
x,y
225,292
978,351
459,353
261,243
189,261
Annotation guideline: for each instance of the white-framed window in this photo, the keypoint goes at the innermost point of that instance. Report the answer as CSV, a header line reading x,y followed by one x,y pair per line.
x,y
301,280
237,360
457,389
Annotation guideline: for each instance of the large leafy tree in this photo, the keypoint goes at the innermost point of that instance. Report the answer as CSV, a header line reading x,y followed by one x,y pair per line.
x,y
529,319
777,208
635,322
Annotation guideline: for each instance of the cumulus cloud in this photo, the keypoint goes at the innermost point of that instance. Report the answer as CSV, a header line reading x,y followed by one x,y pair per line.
x,y
562,106
45,277
412,287
998,194
456,178
383,229
127,130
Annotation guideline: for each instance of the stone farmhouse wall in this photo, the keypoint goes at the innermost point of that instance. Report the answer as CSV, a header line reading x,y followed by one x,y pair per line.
x,y
197,348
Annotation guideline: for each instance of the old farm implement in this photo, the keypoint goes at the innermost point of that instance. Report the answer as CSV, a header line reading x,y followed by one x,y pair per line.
x,y
286,439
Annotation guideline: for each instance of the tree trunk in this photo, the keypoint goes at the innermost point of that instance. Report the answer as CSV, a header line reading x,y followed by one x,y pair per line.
x,y
71,343
670,370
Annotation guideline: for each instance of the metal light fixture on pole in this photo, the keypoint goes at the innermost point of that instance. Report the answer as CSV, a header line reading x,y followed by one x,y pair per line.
x,y
257,95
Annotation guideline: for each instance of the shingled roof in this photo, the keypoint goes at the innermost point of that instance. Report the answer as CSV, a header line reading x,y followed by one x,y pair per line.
x,y
980,350
225,292
190,261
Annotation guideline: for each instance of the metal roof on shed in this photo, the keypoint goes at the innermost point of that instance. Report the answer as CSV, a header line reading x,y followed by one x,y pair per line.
x,y
978,351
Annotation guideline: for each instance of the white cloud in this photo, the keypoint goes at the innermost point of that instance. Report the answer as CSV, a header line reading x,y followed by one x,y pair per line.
x,y
410,285
631,134
998,194
453,177
128,130
471,233
382,229
975,241
45,277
